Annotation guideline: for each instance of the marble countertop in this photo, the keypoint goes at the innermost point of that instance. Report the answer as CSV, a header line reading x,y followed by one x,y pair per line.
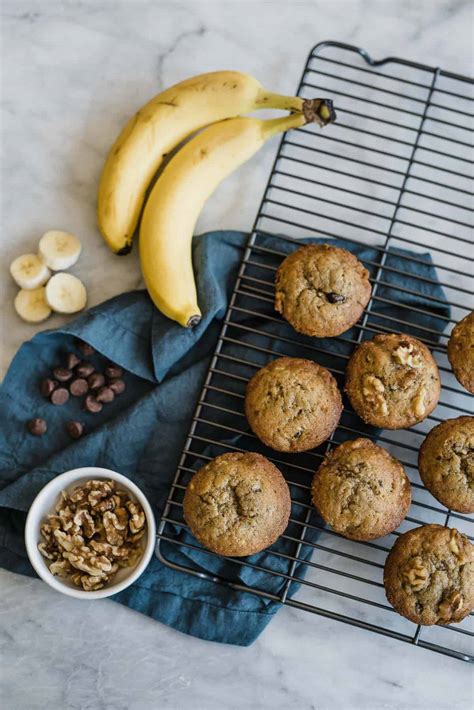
x,y
72,73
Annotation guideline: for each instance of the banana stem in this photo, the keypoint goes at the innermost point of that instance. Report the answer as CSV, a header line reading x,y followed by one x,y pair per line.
x,y
272,126
312,110
268,99
318,111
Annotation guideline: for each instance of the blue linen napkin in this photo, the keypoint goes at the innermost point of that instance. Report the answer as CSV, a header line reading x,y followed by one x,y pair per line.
x,y
142,432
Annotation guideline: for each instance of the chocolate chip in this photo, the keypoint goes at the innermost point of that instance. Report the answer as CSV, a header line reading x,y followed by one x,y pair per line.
x,y
105,394
37,427
75,429
117,386
72,360
78,387
335,298
47,386
84,369
92,405
112,372
59,396
86,349
62,374
96,380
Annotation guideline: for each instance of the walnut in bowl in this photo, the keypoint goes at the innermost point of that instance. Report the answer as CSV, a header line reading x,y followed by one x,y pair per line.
x,y
90,533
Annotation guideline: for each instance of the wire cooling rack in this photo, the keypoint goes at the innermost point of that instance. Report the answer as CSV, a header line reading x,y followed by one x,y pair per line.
x,y
394,171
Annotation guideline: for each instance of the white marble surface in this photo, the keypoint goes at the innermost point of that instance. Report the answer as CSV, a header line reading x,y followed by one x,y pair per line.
x,y
72,73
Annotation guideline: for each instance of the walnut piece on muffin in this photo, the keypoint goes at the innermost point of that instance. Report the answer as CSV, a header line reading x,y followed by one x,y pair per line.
x,y
321,290
392,381
429,575
461,352
293,404
361,491
446,463
237,504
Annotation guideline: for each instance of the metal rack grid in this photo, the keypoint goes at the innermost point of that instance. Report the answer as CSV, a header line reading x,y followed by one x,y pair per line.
x,y
394,171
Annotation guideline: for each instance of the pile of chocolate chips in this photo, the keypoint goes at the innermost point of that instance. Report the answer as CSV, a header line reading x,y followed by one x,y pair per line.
x,y
79,378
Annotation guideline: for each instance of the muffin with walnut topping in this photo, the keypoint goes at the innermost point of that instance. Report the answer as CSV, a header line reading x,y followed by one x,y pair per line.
x,y
429,575
461,352
446,463
392,381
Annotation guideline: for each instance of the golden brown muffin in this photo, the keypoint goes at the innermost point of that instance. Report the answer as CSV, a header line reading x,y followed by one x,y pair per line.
x,y
237,504
321,290
461,352
392,381
446,463
429,575
293,404
361,491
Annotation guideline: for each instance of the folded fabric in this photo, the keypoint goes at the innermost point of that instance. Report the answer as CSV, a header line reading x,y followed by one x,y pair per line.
x,y
141,433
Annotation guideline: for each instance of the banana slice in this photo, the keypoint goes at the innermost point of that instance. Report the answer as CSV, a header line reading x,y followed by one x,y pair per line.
x,y
31,305
65,293
29,272
59,250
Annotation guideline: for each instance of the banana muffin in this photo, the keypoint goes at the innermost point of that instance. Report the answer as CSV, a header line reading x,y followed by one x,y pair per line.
x,y
446,463
429,575
321,290
392,381
237,504
461,352
293,404
361,491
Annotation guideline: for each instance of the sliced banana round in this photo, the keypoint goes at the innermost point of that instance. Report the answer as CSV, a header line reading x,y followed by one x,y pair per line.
x,y
29,271
59,250
31,305
66,293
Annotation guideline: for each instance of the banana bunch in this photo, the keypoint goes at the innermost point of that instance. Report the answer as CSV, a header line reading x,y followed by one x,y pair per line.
x,y
212,102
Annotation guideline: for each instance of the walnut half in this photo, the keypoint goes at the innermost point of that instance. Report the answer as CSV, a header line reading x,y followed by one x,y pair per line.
x,y
373,389
449,606
418,403
417,576
404,355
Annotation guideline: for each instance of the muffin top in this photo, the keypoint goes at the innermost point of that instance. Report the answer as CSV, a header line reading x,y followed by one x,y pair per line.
x,y
461,352
392,381
446,463
321,290
237,504
429,575
361,490
293,404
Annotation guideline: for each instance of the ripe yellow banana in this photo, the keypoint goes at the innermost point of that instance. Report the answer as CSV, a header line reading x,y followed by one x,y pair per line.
x,y
178,197
159,127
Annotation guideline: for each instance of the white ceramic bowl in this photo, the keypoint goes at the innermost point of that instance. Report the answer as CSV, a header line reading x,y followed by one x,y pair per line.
x,y
44,504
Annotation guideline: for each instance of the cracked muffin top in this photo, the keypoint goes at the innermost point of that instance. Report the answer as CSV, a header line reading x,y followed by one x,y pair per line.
x,y
361,491
392,381
461,352
293,404
429,575
446,463
321,290
237,504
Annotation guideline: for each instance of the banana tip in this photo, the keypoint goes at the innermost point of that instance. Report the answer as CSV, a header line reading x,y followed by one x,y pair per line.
x,y
124,250
193,321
